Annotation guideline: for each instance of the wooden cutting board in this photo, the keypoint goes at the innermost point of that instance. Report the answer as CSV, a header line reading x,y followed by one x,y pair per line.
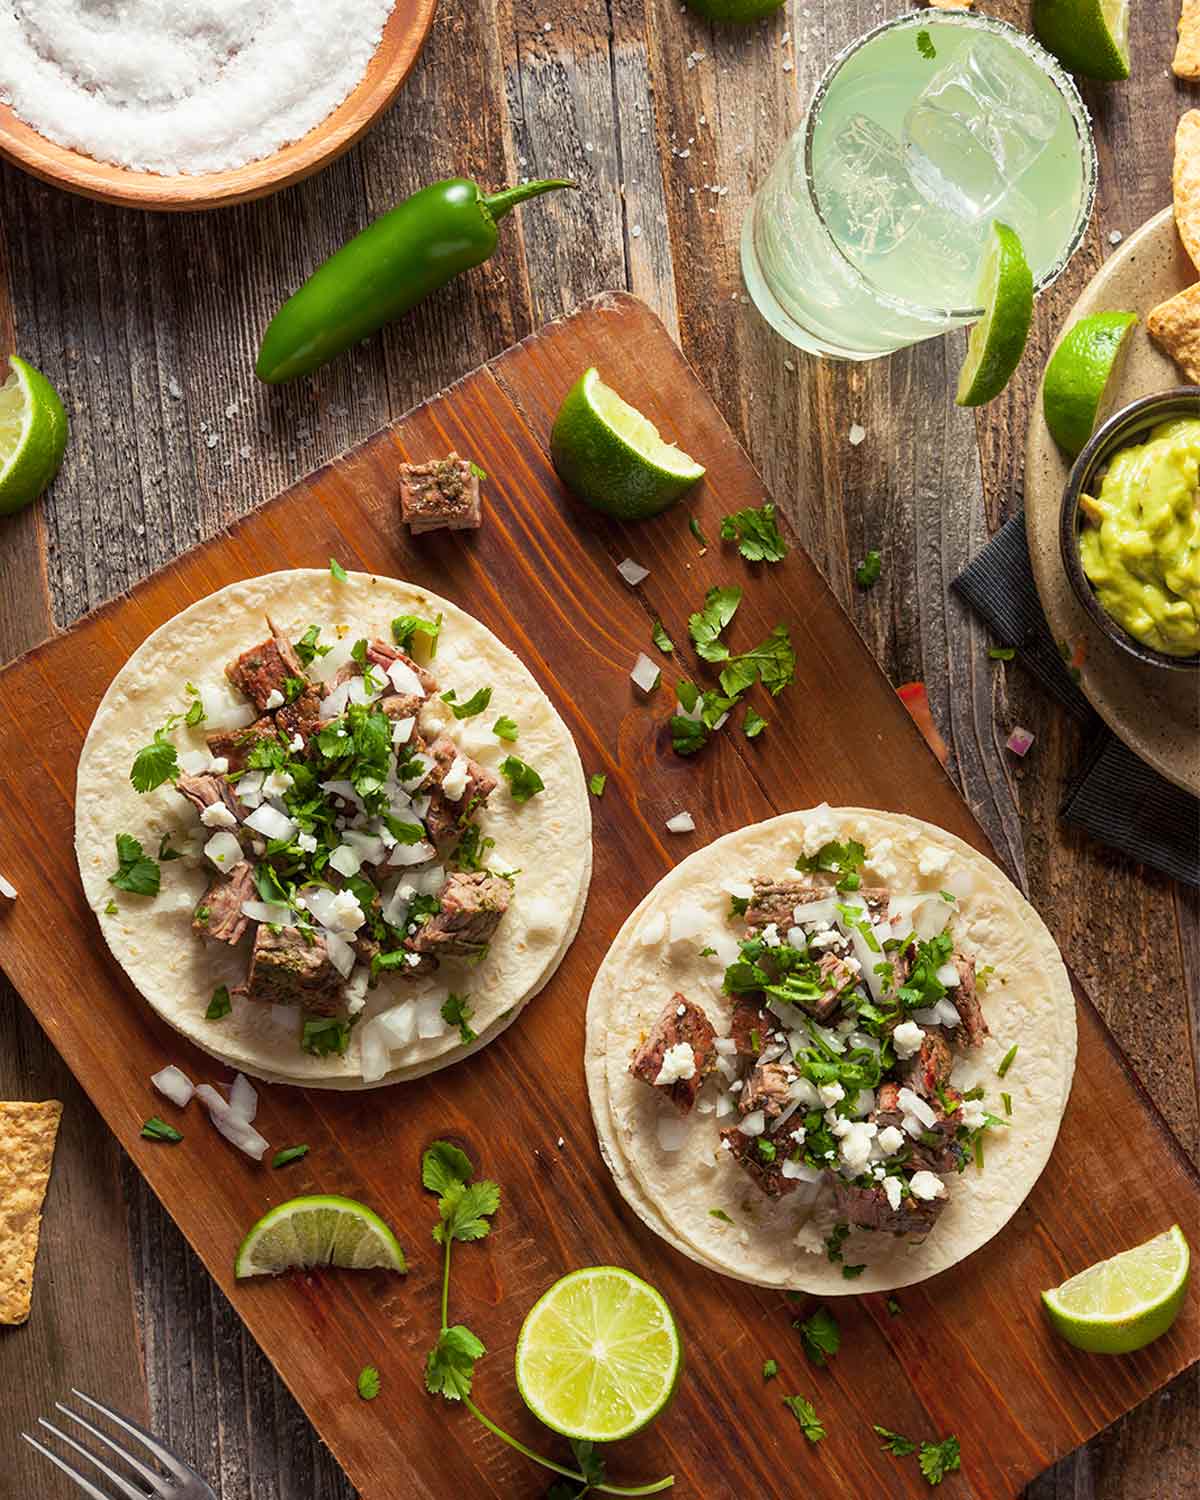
x,y
969,1352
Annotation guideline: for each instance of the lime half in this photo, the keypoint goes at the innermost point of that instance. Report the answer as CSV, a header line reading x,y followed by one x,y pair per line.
x,y
1088,36
1119,1305
318,1231
608,454
741,12
998,340
33,435
1078,374
599,1355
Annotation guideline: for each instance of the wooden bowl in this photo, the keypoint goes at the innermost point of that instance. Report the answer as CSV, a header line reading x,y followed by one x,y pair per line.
x,y
402,40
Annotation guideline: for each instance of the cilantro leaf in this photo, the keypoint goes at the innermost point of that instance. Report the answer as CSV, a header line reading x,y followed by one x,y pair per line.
x,y
805,1413
591,1466
1002,653
1007,1060
465,1208
306,647
756,534
687,735
475,704
523,781
939,1459
111,909
195,712
406,627
368,1382
753,724
288,1154
443,1165
772,662
456,1012
694,528
472,850
925,45
770,1369
450,1364
479,473
165,852
719,1213
894,1442
336,570
661,639
220,1005
505,728
820,1336
893,1307
158,1130
136,871
325,1036
866,575
596,783
154,764
834,858
705,627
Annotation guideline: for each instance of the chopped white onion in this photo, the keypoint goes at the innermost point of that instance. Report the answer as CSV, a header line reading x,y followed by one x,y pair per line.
x,y
243,1097
233,1127
406,855
754,1123
398,1025
8,889
454,782
360,692
346,860
645,673
422,765
725,1046
395,909
405,680
804,1090
285,1017
863,1104
681,823
724,1105
742,889
799,1171
272,912
672,1131
224,850
341,954
319,902
419,806
249,789
344,790
374,1059
912,1104
369,846
402,730
174,1085
430,881
194,762
632,572
429,1017
811,912
689,921
831,1039
271,823
948,975
334,706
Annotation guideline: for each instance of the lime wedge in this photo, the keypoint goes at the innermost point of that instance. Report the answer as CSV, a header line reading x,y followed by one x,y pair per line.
x,y
1088,36
318,1231
1119,1305
599,1355
33,435
1078,374
741,12
998,340
608,454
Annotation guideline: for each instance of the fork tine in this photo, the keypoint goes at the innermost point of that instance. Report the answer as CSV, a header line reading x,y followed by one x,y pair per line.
x,y
173,1465
84,1484
131,1492
155,1481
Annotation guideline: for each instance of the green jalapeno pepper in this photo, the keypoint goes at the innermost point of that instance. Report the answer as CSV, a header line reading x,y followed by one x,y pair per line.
x,y
421,244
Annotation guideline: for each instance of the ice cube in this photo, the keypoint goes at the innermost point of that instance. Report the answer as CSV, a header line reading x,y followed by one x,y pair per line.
x,y
864,189
979,125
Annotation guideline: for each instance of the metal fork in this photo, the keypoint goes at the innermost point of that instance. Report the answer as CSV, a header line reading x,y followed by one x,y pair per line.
x,y
179,1483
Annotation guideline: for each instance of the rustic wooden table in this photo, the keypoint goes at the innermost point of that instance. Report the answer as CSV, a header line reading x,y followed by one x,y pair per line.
x,y
148,325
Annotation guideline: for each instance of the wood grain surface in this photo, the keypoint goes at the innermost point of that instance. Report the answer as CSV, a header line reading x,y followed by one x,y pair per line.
x,y
123,309
542,574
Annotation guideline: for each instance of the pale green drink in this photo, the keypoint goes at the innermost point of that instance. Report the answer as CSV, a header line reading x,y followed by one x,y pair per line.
x,y
868,232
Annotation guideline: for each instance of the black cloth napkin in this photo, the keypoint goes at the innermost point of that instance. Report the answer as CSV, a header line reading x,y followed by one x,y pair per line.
x,y
1113,795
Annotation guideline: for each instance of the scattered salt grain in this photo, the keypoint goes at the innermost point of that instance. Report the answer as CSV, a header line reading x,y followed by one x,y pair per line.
x,y
1115,237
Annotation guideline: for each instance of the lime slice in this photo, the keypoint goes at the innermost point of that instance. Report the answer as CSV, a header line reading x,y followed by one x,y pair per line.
x,y
998,340
741,12
1121,1304
33,435
599,1355
609,455
1078,374
1088,36
318,1231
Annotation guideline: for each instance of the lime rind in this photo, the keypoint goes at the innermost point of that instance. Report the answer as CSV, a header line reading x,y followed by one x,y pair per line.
x,y
1080,373
318,1230
1090,37
997,341
1123,1303
33,435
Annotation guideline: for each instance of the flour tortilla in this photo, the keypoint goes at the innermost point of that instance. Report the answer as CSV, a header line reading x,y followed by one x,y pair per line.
x,y
548,838
1028,1001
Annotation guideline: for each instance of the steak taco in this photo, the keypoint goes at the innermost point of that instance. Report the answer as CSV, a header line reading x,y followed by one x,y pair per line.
x,y
332,829
830,1052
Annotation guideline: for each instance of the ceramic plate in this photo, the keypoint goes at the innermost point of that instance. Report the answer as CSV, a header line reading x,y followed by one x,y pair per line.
x,y
1156,712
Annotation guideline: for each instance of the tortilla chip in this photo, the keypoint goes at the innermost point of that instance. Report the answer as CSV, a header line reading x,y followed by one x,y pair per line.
x,y
1185,180
1186,63
1174,326
27,1135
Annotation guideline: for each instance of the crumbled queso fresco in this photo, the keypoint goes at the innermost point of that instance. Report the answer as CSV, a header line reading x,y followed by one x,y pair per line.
x,y
183,86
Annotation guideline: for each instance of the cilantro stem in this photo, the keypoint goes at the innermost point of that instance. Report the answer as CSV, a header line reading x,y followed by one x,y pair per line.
x,y
446,1287
547,1463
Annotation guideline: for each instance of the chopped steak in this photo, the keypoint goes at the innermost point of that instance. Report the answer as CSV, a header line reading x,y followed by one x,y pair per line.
x,y
767,1088
763,1162
679,1022
442,493
402,706
236,744
447,817
868,1208
929,1069
303,717
836,978
207,790
288,968
965,999
381,655
472,903
749,1026
265,668
775,900
887,1109
219,913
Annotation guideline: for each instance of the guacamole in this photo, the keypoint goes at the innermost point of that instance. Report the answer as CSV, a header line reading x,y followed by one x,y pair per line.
x,y
1140,539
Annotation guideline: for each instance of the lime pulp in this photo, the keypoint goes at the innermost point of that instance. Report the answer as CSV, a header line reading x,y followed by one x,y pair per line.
x,y
318,1230
997,341
33,435
1122,1304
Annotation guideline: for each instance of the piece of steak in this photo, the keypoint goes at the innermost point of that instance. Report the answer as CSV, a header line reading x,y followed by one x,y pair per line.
x,y
679,1023
208,789
472,904
868,1208
402,706
965,999
768,1088
288,967
219,914
448,816
443,493
301,717
764,1162
929,1070
775,900
381,656
749,1026
265,668
837,977
236,744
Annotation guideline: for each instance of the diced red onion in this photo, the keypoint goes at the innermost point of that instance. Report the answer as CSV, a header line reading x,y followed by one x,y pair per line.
x,y
632,572
681,823
1019,740
271,823
243,1098
645,673
672,1131
174,1085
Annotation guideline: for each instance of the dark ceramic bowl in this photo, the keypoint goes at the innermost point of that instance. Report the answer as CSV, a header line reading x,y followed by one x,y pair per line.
x,y
1122,430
